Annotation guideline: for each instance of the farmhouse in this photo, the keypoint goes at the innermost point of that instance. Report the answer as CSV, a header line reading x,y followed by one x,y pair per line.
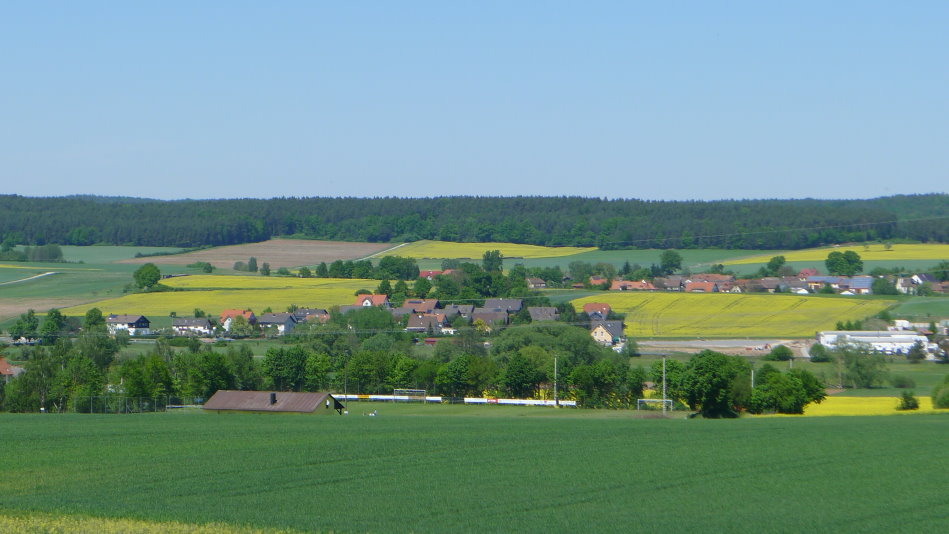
x,y
135,325
303,315
191,326
273,401
536,283
596,310
425,322
508,305
625,285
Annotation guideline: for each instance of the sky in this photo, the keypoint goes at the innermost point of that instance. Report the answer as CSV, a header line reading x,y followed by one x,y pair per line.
x,y
651,100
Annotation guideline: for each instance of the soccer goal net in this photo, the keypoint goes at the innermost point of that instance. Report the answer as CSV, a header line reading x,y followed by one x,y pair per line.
x,y
654,404
408,395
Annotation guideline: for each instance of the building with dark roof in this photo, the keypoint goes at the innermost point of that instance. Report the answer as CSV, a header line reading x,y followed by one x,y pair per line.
x,y
273,401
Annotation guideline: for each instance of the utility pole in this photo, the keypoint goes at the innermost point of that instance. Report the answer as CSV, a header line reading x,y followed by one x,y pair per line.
x,y
663,386
556,403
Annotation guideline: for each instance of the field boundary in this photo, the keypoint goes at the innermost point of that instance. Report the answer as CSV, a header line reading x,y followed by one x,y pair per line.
x,y
28,279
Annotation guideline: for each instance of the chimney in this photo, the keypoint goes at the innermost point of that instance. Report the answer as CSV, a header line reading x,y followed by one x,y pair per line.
x,y
273,398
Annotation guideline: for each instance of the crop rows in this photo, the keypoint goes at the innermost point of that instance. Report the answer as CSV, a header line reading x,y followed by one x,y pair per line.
x,y
480,474
325,295
668,314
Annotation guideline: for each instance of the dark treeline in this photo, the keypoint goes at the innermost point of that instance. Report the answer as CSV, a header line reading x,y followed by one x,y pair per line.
x,y
552,221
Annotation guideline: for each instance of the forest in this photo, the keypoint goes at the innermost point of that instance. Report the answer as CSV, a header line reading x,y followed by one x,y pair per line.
x,y
550,221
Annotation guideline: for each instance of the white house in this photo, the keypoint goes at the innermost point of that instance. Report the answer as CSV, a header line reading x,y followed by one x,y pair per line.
x,y
135,325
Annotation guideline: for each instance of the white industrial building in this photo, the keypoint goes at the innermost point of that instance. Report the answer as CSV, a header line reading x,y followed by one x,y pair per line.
x,y
885,341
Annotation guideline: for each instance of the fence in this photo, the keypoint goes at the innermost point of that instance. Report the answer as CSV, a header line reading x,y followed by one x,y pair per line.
x,y
120,404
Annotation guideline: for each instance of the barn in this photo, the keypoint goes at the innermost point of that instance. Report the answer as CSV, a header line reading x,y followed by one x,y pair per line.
x,y
273,401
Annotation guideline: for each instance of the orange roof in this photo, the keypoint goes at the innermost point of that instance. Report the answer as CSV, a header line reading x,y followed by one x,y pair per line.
x,y
5,368
374,300
230,314
601,307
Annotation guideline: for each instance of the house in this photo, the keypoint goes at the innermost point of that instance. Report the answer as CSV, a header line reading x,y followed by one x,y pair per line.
x,y
7,371
596,310
804,274
712,277
773,284
421,305
596,280
425,322
672,282
273,401
454,310
543,313
366,301
283,323
536,283
625,285
815,283
429,275
303,315
508,305
607,332
861,285
135,325
227,316
924,278
191,326
701,287
490,316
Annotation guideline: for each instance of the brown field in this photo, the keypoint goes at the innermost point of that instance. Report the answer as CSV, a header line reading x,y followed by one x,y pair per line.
x,y
277,252
10,308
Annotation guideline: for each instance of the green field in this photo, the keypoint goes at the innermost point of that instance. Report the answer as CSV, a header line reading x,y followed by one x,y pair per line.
x,y
675,314
446,469
923,308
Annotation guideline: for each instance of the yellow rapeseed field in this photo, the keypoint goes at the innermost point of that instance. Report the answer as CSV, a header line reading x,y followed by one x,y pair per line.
x,y
875,252
668,314
444,249
867,406
208,281
53,524
322,294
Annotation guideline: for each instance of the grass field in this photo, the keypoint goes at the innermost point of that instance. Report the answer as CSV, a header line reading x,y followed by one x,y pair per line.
x,y
435,470
875,252
313,292
108,253
474,251
667,314
923,308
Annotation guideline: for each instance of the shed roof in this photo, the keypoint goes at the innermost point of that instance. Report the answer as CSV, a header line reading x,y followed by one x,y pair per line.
x,y
259,401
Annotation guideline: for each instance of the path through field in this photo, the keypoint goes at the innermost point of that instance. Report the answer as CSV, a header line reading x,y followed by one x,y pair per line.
x,y
28,278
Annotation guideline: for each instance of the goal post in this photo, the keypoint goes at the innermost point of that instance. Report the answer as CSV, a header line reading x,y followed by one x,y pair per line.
x,y
409,395
654,404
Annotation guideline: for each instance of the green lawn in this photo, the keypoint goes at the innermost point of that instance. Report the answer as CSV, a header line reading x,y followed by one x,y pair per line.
x,y
428,469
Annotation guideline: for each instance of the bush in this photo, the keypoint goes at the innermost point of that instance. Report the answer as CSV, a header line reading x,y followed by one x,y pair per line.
x,y
941,394
779,353
908,402
902,382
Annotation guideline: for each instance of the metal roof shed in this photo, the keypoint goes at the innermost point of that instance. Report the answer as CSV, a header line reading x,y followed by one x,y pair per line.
x,y
273,401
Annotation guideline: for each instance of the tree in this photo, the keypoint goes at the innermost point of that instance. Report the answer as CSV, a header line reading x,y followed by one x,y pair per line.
x,y
882,286
520,378
305,272
819,353
146,276
265,269
53,326
859,366
670,261
846,263
26,327
917,353
708,383
492,261
421,288
322,271
908,401
384,287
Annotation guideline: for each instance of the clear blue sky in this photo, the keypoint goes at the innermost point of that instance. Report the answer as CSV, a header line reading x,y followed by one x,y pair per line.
x,y
654,100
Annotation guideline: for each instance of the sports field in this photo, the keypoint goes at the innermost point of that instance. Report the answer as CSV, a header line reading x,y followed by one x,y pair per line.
x,y
313,292
451,472
875,252
673,314
474,251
